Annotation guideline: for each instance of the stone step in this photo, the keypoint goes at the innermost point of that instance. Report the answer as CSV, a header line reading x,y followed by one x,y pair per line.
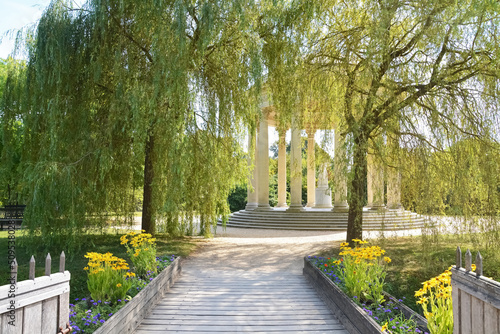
x,y
325,220
313,219
314,228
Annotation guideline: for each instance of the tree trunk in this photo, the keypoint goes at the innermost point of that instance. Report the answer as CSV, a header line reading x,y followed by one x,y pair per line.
x,y
358,191
148,223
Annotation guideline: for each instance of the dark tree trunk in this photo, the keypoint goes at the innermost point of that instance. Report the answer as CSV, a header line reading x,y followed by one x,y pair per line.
x,y
358,191
148,223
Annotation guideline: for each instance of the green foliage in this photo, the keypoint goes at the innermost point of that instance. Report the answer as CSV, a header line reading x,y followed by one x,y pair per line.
x,y
120,96
461,182
418,72
237,198
11,131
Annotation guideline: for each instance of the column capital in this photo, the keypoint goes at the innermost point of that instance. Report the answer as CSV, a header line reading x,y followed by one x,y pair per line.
x,y
281,132
311,131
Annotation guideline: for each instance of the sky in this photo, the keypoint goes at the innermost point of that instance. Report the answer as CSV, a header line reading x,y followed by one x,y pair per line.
x,y
14,15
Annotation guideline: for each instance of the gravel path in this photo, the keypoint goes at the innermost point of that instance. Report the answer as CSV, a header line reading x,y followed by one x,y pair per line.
x,y
265,250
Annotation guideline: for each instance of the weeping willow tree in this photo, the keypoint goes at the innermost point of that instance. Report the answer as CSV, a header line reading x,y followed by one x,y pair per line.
x,y
415,72
461,182
11,130
120,95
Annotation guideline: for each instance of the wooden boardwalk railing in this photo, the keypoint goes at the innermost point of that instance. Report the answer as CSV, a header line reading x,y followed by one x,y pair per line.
x,y
38,305
235,302
476,299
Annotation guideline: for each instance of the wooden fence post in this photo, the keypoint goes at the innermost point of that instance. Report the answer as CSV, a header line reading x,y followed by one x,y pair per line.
x,y
62,262
14,270
468,260
32,268
479,264
48,263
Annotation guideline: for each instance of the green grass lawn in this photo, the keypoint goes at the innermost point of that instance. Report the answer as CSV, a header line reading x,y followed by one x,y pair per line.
x,y
417,259
75,262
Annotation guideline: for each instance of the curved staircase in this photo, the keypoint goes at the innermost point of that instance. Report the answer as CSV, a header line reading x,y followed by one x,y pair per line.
x,y
324,219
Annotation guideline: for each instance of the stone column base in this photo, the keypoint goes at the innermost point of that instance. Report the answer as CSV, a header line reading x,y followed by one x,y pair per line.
x,y
295,208
395,207
282,205
377,207
340,207
263,208
251,206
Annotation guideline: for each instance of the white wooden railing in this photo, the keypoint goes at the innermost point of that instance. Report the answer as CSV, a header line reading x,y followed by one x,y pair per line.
x,y
476,299
38,305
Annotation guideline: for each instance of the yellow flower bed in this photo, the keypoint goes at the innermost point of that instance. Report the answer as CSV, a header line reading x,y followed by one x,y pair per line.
x,y
141,247
364,270
107,276
435,299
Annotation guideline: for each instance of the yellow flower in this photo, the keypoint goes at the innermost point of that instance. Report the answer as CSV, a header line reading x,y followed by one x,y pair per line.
x,y
387,259
118,285
422,300
384,327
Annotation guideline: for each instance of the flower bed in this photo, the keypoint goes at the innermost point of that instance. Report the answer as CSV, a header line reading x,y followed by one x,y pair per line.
x,y
358,314
98,316
112,285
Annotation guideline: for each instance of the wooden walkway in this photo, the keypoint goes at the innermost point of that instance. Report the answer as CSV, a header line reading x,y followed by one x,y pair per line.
x,y
241,302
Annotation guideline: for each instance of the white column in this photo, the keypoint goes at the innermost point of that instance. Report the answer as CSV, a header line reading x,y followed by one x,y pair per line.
x,y
295,169
311,169
252,202
282,170
393,177
375,180
263,164
394,189
340,171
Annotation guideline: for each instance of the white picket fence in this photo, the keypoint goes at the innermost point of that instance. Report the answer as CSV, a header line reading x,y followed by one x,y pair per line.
x,y
476,299
38,305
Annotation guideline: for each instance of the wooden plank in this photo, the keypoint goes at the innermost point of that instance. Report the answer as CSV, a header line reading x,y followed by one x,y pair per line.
x,y
225,292
248,313
477,316
32,320
269,317
270,302
6,328
207,287
456,296
491,317
337,331
50,315
240,328
239,307
465,313
63,309
247,322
